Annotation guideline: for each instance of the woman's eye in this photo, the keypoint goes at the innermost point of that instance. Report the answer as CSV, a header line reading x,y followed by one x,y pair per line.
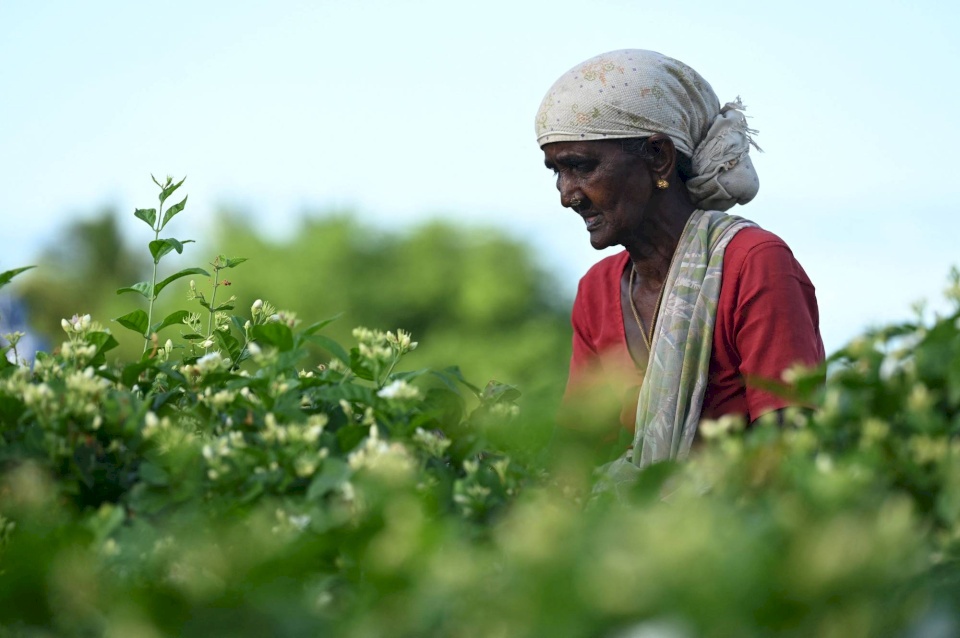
x,y
582,167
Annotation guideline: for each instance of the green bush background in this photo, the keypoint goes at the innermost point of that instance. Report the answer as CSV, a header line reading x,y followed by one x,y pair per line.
x,y
228,490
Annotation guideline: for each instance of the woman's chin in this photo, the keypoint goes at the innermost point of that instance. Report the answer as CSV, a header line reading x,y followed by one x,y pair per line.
x,y
599,241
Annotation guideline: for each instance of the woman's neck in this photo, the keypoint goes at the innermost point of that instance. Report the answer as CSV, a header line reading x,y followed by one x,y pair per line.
x,y
651,256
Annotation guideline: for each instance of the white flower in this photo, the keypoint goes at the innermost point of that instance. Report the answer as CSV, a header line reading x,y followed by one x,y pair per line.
x,y
305,466
391,460
401,341
209,362
431,442
824,463
257,305
300,522
505,410
399,390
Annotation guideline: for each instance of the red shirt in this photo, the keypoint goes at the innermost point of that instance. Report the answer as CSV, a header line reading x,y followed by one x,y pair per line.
x,y
767,320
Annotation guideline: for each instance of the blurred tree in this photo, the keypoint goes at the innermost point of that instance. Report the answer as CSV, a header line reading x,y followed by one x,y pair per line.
x,y
79,273
471,296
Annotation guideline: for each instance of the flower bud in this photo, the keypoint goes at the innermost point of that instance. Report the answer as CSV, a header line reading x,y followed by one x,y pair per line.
x,y
257,305
67,327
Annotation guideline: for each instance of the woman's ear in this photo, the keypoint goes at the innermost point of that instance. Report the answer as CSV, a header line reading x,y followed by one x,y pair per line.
x,y
662,156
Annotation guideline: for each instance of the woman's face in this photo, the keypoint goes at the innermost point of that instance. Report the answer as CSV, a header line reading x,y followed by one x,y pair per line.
x,y
614,189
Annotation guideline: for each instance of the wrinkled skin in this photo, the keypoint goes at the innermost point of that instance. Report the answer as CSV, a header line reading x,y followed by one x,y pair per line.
x,y
621,205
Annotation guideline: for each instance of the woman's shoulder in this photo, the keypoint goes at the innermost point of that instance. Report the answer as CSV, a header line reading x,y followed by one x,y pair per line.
x,y
753,237
756,246
606,269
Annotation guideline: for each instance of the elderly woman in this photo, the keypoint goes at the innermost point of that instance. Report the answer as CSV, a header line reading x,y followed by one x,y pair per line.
x,y
700,304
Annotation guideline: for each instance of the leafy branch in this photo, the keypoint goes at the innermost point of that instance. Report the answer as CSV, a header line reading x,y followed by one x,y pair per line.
x,y
139,321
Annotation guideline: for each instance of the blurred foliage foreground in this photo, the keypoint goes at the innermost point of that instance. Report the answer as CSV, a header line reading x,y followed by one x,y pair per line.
x,y
221,485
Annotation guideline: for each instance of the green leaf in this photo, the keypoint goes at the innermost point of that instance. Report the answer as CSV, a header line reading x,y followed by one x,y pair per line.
x,y
334,472
320,325
11,408
447,406
253,492
348,391
453,372
232,263
238,323
174,318
5,277
131,372
161,399
148,215
142,287
350,436
153,474
107,519
229,343
177,275
173,210
330,346
409,375
136,321
160,247
648,487
104,342
496,392
360,365
274,334
167,191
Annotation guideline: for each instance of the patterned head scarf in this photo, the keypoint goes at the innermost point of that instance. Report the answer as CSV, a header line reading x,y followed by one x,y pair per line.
x,y
635,93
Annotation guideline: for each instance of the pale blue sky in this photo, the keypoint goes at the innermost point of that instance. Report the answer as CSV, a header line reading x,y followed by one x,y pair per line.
x,y
404,111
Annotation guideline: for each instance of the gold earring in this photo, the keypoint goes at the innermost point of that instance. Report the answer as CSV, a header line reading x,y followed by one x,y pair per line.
x,y
662,184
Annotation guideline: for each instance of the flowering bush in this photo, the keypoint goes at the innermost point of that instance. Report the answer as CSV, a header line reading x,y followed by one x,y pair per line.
x,y
225,483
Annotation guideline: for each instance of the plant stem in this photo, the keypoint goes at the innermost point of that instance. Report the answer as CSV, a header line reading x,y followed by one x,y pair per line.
x,y
153,282
393,364
213,298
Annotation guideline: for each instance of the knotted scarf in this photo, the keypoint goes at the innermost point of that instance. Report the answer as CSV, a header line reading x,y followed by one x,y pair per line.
x,y
636,94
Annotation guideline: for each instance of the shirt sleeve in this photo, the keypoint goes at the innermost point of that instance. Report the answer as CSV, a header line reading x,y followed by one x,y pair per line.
x,y
584,353
777,323
592,404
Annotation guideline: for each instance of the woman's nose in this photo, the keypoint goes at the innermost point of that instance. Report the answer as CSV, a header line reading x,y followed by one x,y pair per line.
x,y
570,196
